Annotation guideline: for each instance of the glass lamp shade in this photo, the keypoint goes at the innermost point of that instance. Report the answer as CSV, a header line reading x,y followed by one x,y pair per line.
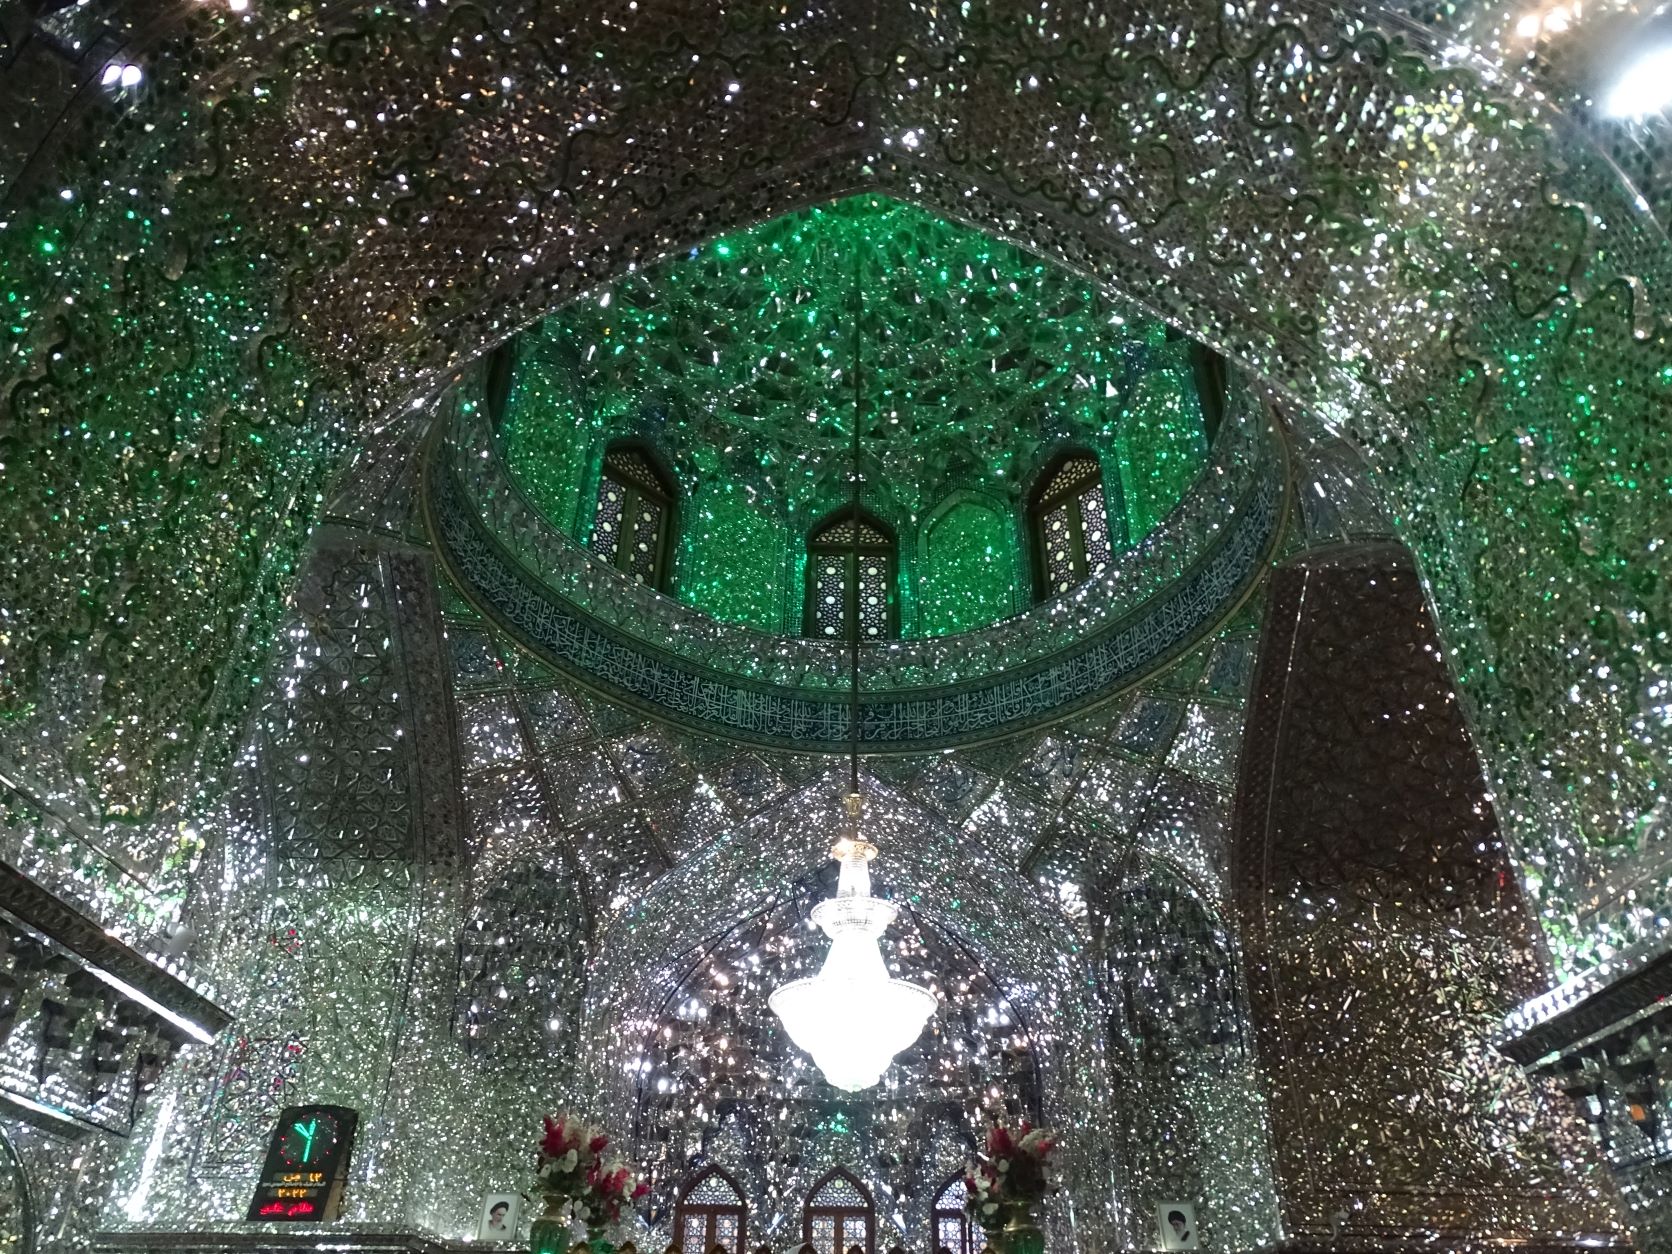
x,y
851,1017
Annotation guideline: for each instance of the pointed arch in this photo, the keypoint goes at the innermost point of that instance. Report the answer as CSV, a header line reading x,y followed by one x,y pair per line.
x,y
1068,523
950,1229
636,518
838,596
967,564
840,1214
711,1211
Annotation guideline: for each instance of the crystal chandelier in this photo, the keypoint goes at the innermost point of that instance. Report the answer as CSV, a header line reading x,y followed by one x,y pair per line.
x,y
851,1017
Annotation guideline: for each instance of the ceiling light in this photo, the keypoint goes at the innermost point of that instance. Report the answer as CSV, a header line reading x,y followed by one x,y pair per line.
x,y
1644,88
851,1017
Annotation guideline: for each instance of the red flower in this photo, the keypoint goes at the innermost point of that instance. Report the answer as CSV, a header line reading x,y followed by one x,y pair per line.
x,y
999,1144
555,1143
596,1144
640,1189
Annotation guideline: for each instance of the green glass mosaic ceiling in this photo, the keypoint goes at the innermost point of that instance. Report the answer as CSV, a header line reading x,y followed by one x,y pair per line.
x,y
968,573
977,362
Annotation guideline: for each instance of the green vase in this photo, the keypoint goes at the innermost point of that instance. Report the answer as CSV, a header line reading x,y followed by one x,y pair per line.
x,y
1021,1235
599,1243
549,1235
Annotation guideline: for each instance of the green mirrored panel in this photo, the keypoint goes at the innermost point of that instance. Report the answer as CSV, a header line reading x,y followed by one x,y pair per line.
x,y
970,362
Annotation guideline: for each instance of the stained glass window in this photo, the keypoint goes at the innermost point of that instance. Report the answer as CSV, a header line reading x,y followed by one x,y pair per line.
x,y
840,1215
632,528
832,598
1069,521
711,1212
954,1234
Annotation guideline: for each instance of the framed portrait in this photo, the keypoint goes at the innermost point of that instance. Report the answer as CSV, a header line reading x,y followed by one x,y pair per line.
x,y
1175,1223
500,1212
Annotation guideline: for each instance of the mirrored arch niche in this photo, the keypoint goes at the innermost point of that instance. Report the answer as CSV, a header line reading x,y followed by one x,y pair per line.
x,y
719,1083
663,957
1176,1021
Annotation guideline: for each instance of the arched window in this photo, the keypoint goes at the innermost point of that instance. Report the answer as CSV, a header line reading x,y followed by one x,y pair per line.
x,y
633,528
711,1212
954,1233
1070,524
831,595
840,1215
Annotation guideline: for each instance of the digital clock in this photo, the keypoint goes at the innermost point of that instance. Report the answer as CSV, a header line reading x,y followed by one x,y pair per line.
x,y
306,1142
306,1167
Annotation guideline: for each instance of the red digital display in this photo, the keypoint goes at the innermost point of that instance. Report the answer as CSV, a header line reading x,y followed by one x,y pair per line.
x,y
286,1210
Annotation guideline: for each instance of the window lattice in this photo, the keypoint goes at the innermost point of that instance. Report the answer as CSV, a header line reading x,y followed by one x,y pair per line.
x,y
829,592
840,1191
606,526
632,528
630,466
873,596
715,1190
843,533
954,1234
1094,523
839,1216
725,1233
1069,519
1059,549
1074,473
830,600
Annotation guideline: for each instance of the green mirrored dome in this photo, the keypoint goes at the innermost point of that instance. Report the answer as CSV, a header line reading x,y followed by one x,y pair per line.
x,y
742,362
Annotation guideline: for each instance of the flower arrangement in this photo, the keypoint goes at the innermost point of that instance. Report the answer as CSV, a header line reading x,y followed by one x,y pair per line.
x,y
576,1182
1011,1178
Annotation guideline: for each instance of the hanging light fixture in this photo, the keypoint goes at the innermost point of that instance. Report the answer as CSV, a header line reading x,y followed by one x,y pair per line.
x,y
852,1017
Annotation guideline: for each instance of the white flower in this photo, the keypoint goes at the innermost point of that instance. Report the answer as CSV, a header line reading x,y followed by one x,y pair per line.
x,y
568,1161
